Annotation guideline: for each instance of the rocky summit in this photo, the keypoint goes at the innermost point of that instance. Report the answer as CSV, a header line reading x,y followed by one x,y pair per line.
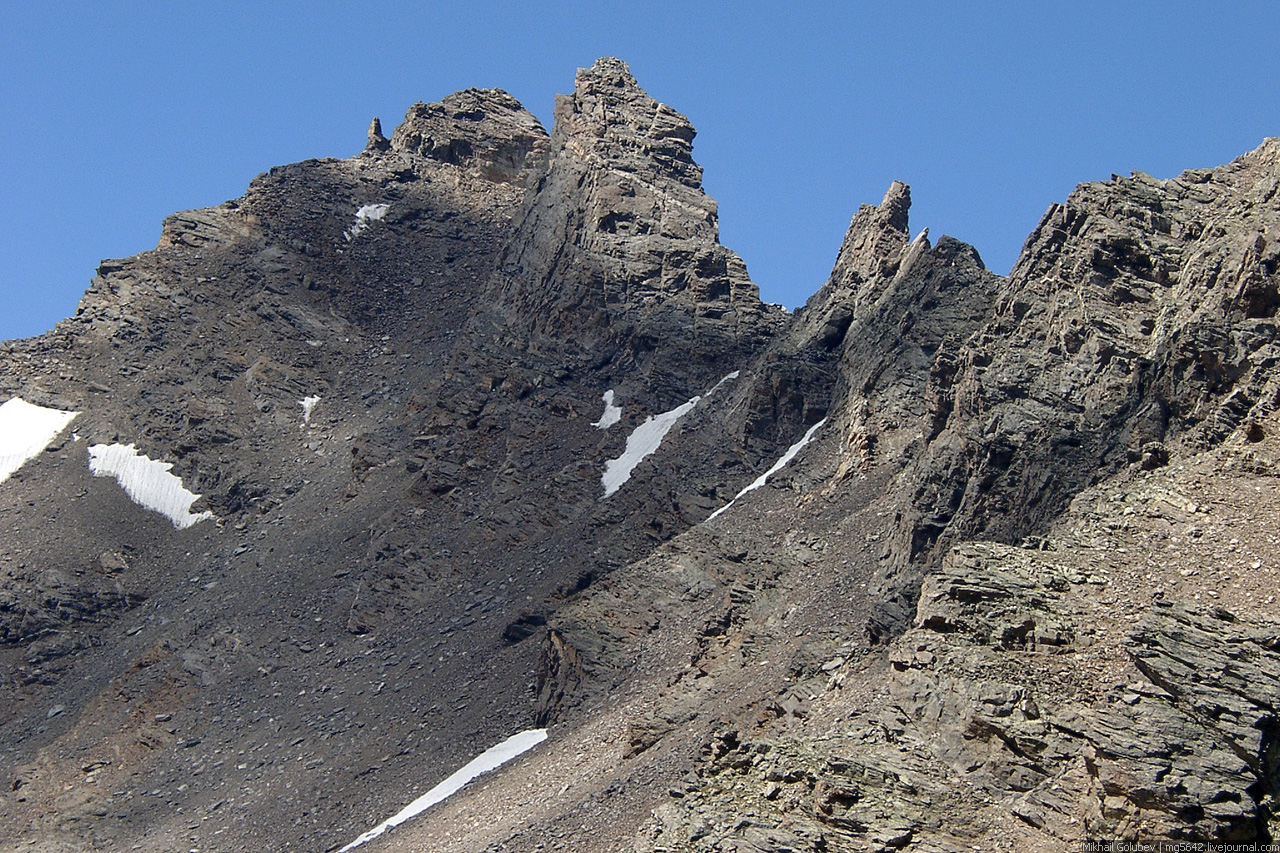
x,y
480,445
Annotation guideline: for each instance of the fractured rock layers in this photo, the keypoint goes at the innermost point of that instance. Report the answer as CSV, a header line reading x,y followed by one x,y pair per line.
x,y
1018,588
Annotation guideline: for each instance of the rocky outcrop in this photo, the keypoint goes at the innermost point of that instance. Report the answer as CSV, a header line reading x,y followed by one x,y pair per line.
x,y
1034,694
1177,755
313,358
1137,314
614,263
944,561
485,132
1043,694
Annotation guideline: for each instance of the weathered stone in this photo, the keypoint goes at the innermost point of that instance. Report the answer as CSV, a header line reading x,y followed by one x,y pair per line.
x,y
855,657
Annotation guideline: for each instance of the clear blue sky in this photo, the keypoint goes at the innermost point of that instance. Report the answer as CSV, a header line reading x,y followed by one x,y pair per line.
x,y
113,115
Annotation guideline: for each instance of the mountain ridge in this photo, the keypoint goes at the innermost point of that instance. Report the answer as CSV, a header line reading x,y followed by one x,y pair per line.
x,y
426,558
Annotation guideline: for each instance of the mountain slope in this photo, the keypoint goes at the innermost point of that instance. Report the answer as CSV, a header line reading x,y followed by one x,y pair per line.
x,y
382,552
481,416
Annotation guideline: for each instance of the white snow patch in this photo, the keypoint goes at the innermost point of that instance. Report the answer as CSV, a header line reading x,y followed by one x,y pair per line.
x,y
777,466
490,759
308,404
25,431
728,377
645,439
612,414
365,215
642,442
147,482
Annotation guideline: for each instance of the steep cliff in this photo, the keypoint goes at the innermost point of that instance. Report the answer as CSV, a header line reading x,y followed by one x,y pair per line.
x,y
614,264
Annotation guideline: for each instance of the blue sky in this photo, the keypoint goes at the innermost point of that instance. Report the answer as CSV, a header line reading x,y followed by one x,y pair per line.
x,y
113,115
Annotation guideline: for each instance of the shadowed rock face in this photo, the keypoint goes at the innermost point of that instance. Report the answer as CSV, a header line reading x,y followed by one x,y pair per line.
x,y
420,560
443,492
201,352
614,262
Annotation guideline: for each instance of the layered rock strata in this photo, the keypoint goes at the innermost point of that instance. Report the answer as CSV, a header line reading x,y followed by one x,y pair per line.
x,y
1008,584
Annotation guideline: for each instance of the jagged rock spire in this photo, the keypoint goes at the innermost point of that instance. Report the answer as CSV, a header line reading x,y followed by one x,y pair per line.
x,y
609,116
874,246
377,142
618,247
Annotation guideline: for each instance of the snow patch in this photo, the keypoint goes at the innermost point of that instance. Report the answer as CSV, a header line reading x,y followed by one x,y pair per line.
x,y
777,466
365,215
308,404
728,377
25,431
646,438
147,482
643,441
612,414
490,759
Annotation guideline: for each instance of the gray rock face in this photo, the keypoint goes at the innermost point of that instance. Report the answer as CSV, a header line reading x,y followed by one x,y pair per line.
x,y
1016,589
486,132
444,492
1159,763
615,259
962,725
1128,319
1062,690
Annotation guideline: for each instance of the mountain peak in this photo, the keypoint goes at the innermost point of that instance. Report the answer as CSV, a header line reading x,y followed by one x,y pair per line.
x,y
485,130
607,71
617,247
352,435
610,116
